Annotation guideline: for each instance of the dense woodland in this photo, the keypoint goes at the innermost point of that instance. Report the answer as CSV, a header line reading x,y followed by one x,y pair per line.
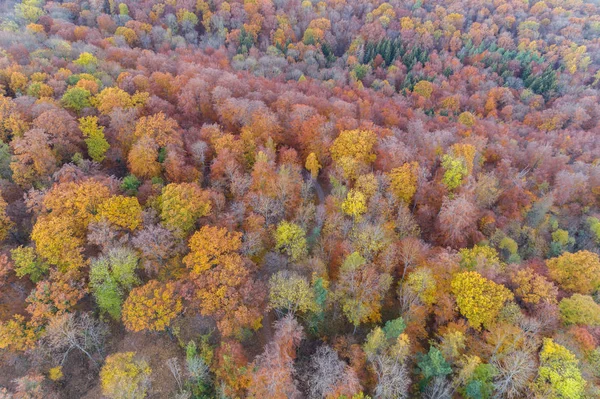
x,y
338,199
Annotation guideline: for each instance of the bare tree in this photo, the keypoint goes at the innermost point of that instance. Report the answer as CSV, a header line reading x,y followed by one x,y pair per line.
x,y
69,332
515,371
328,374
438,388
175,369
393,379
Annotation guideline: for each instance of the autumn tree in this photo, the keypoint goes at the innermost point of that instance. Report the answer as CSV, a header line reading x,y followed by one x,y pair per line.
x,y
312,165
559,375
352,150
387,350
18,334
355,204
94,137
479,299
112,276
143,158
455,171
151,307
121,211
580,309
533,288
330,376
156,244
291,292
125,376
403,181
26,263
577,272
76,98
291,239
222,279
181,205
33,161
457,219
273,375
5,223
361,289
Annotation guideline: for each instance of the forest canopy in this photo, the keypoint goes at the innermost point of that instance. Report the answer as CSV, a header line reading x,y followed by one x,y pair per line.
x,y
334,199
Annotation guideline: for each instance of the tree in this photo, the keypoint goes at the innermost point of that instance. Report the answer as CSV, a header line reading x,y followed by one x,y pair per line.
x,y
457,219
5,223
17,334
86,60
533,288
361,289
181,205
479,299
432,365
114,97
292,292
64,136
222,280
29,10
159,128
424,88
94,137
273,375
156,244
74,332
387,349
124,376
143,158
27,263
124,212
403,181
312,165
291,239
455,171
577,272
422,283
352,150
355,204
76,98
111,277
151,307
514,373
580,309
329,376
559,375
33,161
56,242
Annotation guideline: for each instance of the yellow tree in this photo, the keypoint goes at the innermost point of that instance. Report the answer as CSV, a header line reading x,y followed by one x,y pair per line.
x,y
121,211
94,137
355,204
403,181
577,272
181,205
559,376
17,334
151,307
124,376
352,150
479,299
312,165
5,223
533,288
291,239
424,88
